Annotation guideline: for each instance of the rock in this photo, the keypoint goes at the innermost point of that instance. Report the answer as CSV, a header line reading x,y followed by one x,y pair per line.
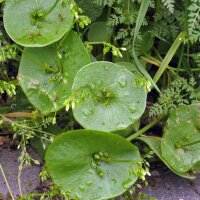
x,y
169,186
29,178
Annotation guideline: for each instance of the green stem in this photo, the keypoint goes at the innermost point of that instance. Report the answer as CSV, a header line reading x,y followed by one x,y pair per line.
x,y
36,61
112,161
60,43
4,176
49,11
145,129
180,60
188,144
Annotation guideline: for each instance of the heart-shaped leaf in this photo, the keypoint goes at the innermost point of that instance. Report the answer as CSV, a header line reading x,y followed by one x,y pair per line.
x,y
92,164
108,97
46,74
181,141
37,23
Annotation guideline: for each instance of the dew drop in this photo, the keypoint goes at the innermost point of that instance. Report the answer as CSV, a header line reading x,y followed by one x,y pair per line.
x,y
126,184
126,93
86,112
122,82
121,125
105,68
132,107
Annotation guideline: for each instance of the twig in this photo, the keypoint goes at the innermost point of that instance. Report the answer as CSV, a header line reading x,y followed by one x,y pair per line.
x,y
4,176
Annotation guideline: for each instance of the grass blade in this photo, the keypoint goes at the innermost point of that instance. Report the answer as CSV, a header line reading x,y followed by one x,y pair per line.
x,y
180,38
142,12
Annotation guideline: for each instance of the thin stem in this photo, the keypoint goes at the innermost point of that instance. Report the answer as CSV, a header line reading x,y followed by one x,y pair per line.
x,y
21,115
145,129
50,10
4,176
26,127
188,144
158,54
19,183
60,43
180,59
36,61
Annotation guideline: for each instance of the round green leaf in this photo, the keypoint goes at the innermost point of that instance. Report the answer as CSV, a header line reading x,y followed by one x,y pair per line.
x,y
46,74
155,144
181,140
37,23
92,164
108,97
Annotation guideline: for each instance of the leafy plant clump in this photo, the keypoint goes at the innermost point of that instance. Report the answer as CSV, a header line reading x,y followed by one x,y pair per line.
x,y
78,81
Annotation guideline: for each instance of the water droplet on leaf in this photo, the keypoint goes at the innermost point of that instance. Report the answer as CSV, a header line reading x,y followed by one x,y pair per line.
x,y
122,82
132,107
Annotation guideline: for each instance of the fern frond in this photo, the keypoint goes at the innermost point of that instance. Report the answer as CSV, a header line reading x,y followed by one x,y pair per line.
x,y
193,20
169,4
181,92
196,58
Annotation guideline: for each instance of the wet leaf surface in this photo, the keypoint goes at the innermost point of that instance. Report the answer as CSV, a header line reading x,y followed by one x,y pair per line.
x,y
90,166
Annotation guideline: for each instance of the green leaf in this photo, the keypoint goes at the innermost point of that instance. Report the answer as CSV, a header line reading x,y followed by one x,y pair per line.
x,y
144,44
90,8
141,15
181,140
36,23
108,97
155,144
130,66
100,32
88,165
46,74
